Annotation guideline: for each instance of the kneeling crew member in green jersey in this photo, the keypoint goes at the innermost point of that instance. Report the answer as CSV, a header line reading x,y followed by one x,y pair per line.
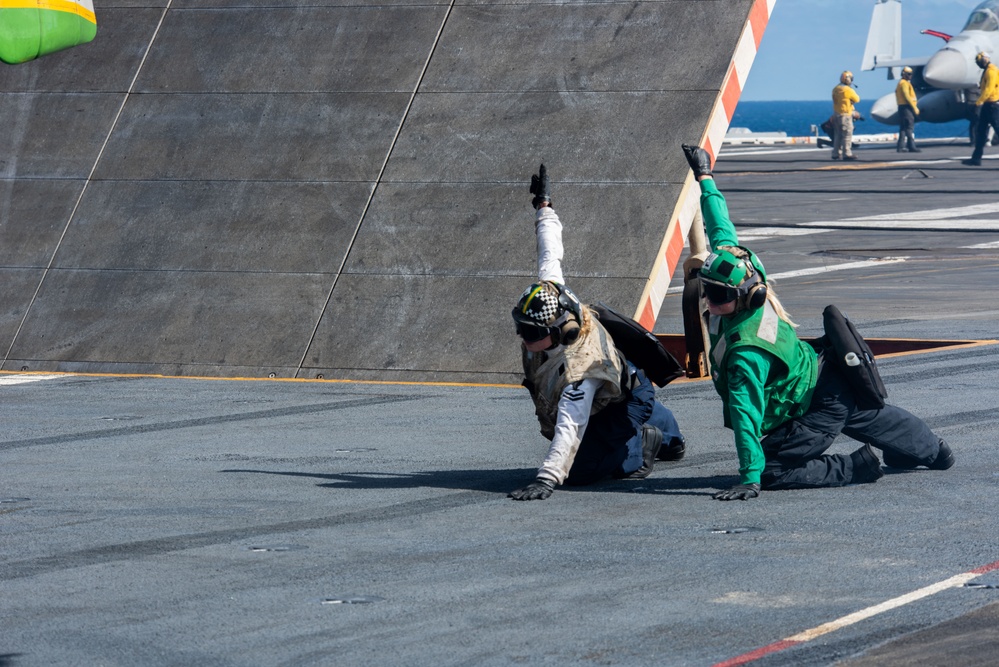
x,y
598,410
785,402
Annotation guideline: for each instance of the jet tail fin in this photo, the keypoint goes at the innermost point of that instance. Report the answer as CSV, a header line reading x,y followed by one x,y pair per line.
x,y
884,37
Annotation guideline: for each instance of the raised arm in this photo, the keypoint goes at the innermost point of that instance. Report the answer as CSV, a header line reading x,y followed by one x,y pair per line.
x,y
548,229
714,209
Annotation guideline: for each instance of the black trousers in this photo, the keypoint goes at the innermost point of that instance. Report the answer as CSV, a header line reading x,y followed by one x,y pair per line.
x,y
616,431
794,451
989,116
906,121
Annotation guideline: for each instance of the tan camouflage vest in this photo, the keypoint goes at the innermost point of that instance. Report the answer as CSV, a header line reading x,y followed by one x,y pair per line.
x,y
592,355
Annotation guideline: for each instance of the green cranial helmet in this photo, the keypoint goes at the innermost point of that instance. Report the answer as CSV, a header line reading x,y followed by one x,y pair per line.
x,y
734,273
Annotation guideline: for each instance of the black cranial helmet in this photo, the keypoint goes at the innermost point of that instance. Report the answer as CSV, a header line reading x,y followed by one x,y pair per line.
x,y
545,309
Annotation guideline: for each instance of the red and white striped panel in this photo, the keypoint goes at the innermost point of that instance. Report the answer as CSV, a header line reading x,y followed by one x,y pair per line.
x,y
711,140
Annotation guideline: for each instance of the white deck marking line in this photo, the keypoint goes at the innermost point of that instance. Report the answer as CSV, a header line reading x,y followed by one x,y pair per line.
x,y
937,213
984,225
757,233
922,162
958,217
818,269
902,600
836,267
24,379
845,621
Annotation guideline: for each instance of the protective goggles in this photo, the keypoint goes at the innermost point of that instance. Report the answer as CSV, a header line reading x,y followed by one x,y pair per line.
x,y
719,294
531,333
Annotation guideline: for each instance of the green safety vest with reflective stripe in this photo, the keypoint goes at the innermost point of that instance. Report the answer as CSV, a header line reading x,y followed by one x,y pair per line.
x,y
786,394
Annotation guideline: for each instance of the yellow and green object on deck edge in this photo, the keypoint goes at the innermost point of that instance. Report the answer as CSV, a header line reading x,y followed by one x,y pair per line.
x,y
33,28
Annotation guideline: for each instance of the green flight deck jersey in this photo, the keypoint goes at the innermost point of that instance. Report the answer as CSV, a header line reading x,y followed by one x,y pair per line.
x,y
763,372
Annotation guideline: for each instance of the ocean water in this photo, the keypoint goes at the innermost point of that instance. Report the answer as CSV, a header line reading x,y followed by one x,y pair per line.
x,y
797,118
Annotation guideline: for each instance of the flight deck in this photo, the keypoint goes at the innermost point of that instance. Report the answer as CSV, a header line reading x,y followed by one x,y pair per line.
x,y
164,521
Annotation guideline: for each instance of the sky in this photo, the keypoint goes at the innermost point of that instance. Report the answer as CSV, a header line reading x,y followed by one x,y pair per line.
x,y
808,43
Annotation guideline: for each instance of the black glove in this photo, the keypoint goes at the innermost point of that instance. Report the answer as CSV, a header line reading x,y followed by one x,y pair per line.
x,y
539,188
698,159
739,492
539,489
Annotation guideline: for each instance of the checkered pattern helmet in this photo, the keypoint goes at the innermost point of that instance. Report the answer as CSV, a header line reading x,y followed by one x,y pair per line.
x,y
539,304
544,307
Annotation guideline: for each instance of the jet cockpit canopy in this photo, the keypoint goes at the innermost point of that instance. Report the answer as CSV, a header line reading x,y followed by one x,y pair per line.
x,y
984,17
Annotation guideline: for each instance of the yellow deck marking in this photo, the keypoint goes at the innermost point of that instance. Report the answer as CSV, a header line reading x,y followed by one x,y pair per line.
x,y
957,345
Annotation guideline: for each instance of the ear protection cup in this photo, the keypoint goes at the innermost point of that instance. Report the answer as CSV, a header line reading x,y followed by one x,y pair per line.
x,y
757,296
569,332
754,289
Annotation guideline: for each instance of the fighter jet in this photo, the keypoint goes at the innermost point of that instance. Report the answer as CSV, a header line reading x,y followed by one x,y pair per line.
x,y
946,82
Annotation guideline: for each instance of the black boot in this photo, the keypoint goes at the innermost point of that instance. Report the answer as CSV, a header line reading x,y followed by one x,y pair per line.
x,y
674,451
652,442
866,466
944,459
899,460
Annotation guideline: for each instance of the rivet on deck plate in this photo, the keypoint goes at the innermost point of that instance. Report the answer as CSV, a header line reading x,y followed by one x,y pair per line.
x,y
277,547
734,530
353,599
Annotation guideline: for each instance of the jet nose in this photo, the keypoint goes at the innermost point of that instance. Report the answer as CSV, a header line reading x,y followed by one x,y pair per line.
x,y
885,110
948,68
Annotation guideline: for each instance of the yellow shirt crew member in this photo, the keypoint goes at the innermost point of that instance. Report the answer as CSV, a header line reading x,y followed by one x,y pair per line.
x,y
844,97
989,85
986,108
904,94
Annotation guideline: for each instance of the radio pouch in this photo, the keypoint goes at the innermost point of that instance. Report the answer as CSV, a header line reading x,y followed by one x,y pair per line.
x,y
851,354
